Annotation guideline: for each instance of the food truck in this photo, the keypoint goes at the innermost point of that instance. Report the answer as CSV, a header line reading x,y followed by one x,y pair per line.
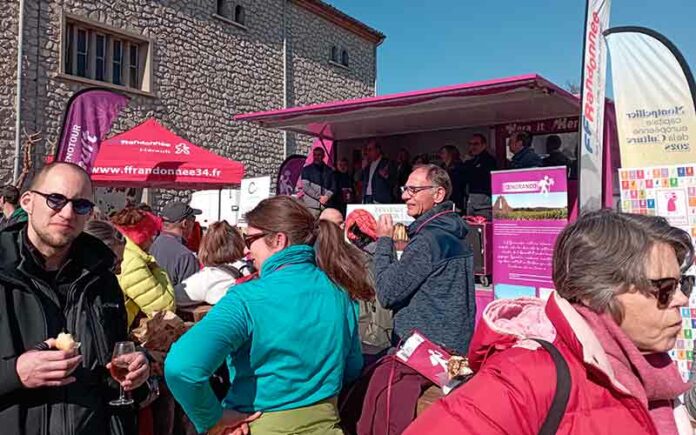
x,y
422,122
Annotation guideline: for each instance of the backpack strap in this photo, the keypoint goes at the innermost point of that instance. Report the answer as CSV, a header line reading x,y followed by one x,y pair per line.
x,y
560,397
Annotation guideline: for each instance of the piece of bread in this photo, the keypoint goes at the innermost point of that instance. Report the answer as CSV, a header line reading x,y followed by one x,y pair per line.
x,y
458,366
65,342
400,233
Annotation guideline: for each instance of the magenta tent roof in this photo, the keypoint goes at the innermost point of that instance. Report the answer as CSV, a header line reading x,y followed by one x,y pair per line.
x,y
483,103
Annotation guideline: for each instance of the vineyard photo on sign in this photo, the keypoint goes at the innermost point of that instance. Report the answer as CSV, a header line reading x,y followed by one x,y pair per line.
x,y
530,208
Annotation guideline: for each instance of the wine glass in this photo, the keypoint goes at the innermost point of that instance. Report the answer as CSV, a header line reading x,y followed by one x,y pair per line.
x,y
119,370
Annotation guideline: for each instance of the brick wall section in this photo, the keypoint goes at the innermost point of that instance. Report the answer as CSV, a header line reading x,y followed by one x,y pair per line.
x,y
205,71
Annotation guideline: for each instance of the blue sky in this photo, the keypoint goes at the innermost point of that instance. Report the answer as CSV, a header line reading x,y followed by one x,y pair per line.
x,y
444,42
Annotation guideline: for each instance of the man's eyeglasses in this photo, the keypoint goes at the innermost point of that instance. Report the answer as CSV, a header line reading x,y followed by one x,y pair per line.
x,y
412,190
664,288
56,202
249,239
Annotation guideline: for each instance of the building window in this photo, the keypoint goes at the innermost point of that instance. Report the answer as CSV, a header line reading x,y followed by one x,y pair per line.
x,y
133,66
117,62
223,8
100,58
334,53
344,58
82,53
94,52
239,15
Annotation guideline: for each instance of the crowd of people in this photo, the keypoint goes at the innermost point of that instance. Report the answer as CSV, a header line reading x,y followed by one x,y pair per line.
x,y
378,178
282,350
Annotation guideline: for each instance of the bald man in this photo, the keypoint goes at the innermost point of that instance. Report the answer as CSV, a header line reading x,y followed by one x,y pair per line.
x,y
53,279
332,215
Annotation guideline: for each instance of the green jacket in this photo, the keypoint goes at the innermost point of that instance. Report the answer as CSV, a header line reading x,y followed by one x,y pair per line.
x,y
290,339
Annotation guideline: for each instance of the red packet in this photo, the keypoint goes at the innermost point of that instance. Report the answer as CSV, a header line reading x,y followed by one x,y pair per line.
x,y
425,357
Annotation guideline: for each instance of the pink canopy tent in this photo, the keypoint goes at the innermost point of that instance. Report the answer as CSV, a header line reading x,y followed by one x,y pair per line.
x,y
489,103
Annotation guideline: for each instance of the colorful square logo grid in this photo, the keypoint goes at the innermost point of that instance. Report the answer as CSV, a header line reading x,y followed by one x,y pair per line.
x,y
668,191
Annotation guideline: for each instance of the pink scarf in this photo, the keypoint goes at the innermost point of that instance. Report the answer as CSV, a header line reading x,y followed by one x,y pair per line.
x,y
652,378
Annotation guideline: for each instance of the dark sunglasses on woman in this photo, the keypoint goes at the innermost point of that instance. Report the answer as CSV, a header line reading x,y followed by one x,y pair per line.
x,y
249,239
664,288
56,202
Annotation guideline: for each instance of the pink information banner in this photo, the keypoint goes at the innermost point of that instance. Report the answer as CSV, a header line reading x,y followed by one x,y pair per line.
x,y
530,208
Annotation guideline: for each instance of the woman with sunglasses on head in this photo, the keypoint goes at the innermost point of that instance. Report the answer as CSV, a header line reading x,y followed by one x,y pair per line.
x,y
144,283
221,253
290,338
613,318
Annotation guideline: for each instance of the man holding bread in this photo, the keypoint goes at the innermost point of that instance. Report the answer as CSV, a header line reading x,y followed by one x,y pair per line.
x,y
61,314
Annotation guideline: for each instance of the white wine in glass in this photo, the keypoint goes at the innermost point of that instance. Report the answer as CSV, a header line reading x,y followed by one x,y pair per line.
x,y
119,370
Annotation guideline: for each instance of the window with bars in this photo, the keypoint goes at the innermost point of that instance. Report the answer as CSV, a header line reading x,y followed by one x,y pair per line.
x,y
92,52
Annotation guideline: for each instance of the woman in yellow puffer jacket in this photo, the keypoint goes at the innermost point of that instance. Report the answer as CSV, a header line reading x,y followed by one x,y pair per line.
x,y
146,287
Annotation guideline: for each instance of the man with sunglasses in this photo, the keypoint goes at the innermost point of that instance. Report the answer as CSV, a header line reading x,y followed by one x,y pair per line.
x,y
53,279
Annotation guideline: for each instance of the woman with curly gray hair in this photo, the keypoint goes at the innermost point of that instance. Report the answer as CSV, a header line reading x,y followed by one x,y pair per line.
x,y
615,314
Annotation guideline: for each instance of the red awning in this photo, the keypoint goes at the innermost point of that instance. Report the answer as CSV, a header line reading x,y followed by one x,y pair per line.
x,y
149,155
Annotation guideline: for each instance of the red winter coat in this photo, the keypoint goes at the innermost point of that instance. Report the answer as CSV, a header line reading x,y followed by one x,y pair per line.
x,y
513,390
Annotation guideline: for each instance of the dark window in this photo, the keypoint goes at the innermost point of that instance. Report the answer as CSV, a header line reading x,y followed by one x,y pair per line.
x,y
222,9
344,58
82,50
69,48
334,53
93,52
239,15
117,62
133,67
100,57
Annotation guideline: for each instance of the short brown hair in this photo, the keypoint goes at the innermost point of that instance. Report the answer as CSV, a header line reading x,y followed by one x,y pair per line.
x,y
605,253
221,244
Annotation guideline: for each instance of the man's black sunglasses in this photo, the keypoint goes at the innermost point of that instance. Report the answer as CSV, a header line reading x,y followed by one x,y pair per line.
x,y
664,288
56,202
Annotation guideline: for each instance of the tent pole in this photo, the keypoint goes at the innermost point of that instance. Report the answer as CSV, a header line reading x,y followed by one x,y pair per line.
x,y
219,217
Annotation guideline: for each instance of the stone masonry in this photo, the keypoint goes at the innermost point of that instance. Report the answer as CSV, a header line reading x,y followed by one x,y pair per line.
x,y
205,70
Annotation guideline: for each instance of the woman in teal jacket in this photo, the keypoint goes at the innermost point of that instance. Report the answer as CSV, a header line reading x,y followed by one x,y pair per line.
x,y
290,338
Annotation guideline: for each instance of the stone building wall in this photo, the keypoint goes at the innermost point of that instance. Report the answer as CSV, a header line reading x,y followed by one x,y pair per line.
x,y
9,17
205,70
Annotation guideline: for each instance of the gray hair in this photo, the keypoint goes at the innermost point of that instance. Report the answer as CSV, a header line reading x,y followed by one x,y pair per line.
x,y
438,177
605,253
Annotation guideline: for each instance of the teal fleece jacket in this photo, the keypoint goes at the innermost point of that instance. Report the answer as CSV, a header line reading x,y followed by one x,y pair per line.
x,y
290,339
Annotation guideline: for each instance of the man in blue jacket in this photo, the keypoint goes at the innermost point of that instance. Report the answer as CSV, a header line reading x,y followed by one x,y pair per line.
x,y
431,288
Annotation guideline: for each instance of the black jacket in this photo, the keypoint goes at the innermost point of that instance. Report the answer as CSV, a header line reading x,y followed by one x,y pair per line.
x,y
383,188
317,181
83,299
478,173
457,174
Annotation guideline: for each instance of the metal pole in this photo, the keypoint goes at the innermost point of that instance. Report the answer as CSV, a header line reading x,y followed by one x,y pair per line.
x,y
20,54
285,73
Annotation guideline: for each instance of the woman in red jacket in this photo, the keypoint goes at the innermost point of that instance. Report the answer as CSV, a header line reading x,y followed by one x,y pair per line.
x,y
614,317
